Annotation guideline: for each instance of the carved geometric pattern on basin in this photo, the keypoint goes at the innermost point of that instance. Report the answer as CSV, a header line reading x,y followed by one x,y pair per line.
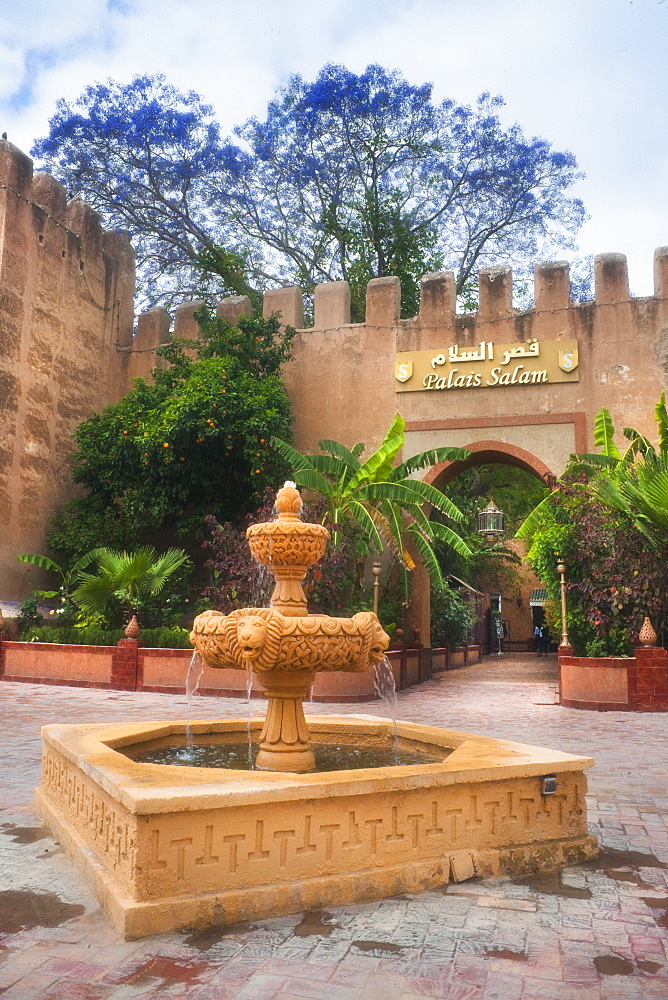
x,y
166,846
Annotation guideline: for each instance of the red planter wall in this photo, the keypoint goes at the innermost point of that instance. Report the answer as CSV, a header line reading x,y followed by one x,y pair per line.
x,y
623,684
129,666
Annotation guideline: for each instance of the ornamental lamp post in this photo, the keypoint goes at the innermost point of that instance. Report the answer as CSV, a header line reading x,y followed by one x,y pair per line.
x,y
376,570
561,570
490,526
491,521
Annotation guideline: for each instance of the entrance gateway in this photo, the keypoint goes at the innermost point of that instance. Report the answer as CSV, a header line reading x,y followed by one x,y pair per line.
x,y
520,388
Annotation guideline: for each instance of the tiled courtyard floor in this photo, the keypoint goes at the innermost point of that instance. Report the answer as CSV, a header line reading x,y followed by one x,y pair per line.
x,y
596,932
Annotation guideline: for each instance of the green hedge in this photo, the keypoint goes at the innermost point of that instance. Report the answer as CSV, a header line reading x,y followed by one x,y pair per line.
x,y
156,638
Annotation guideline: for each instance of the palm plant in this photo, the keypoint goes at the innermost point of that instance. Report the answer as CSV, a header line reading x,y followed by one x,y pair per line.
x,y
634,483
381,498
129,577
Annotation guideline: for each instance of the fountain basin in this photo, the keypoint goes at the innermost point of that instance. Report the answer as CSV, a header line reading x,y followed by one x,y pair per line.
x,y
271,642
168,846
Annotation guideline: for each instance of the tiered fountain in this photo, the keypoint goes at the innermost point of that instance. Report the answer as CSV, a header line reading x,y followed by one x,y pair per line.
x,y
167,845
283,644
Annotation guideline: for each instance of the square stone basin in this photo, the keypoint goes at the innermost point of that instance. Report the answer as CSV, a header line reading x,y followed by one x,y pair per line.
x,y
169,846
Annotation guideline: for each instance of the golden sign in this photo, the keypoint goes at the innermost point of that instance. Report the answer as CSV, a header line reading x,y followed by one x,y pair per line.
x,y
487,365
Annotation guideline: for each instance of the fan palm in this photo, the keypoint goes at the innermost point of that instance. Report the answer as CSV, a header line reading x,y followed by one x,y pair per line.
x,y
381,497
130,577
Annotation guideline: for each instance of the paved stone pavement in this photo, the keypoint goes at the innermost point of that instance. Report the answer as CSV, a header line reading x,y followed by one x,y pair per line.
x,y
594,932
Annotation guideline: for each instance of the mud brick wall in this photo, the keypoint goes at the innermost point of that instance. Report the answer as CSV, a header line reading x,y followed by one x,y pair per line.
x,y
66,307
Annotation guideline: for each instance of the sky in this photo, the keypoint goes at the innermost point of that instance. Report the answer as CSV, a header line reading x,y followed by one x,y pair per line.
x,y
590,76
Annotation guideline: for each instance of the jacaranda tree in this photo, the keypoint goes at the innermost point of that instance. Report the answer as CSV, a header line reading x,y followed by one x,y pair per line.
x,y
349,176
150,159
362,176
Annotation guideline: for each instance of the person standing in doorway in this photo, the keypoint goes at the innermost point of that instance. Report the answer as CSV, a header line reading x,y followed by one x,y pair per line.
x,y
537,641
544,641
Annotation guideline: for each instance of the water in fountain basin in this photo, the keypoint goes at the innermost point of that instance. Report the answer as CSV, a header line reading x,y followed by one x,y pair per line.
x,y
193,677
386,688
234,755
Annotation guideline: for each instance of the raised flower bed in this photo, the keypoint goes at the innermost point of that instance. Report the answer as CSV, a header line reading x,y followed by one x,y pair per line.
x,y
636,683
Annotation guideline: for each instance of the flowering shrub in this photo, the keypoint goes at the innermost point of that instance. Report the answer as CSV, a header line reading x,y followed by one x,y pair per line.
x,y
614,576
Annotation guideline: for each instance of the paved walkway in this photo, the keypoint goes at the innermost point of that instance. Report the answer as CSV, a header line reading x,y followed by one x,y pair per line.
x,y
595,932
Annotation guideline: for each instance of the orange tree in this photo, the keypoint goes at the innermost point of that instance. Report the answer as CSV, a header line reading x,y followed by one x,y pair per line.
x,y
193,440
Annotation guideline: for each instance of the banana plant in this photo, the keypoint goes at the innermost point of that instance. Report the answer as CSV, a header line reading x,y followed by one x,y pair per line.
x,y
634,483
381,497
67,576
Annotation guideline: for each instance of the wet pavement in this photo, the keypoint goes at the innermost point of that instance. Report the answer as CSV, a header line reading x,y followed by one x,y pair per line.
x,y
598,931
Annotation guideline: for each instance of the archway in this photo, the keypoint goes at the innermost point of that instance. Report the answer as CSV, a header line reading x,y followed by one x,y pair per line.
x,y
488,452
508,595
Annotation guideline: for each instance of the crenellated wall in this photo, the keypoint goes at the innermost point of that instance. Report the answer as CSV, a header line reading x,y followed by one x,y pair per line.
x,y
342,382
342,379
67,349
66,306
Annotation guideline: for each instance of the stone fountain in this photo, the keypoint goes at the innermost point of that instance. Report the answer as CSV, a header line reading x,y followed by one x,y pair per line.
x,y
283,644
165,846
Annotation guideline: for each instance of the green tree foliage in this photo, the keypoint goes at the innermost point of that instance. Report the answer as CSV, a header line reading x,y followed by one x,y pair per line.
x,y
451,618
29,616
193,440
635,484
379,497
493,565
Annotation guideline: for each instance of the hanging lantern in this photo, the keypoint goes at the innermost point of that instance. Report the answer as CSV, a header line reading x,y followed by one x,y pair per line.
x,y
490,520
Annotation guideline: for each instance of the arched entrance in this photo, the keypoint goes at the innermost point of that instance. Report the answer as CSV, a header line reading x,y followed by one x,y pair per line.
x,y
510,595
486,452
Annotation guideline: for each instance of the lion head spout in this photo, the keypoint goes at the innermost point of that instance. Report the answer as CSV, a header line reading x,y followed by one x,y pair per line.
x,y
254,636
379,640
251,636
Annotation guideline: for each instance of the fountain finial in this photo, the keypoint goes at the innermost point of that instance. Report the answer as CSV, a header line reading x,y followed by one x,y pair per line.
x,y
289,502
288,546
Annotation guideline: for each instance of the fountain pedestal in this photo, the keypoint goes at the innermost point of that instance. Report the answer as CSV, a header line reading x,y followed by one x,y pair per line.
x,y
283,644
285,744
